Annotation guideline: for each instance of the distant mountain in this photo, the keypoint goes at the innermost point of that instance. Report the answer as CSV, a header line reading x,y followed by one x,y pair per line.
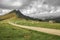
x,y
15,13
18,14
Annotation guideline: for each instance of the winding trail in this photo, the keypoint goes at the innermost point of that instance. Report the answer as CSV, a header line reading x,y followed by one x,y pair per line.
x,y
45,30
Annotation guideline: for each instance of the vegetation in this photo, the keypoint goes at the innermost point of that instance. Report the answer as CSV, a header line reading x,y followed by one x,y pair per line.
x,y
25,22
8,15
9,32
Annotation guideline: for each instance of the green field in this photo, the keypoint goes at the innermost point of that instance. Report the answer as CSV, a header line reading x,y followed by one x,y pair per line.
x,y
28,22
9,32
35,23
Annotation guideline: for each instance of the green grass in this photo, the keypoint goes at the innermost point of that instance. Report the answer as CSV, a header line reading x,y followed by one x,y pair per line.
x,y
36,23
9,32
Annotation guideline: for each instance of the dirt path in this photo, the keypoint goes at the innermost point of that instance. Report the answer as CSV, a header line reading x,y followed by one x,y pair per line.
x,y
45,30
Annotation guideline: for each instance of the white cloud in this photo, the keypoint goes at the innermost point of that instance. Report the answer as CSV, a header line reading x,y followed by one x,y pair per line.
x,y
4,11
17,4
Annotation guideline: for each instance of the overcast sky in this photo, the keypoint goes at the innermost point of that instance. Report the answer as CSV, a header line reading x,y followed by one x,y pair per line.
x,y
18,4
4,11
13,3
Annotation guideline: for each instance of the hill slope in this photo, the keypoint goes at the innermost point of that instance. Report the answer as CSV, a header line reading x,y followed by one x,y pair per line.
x,y
9,15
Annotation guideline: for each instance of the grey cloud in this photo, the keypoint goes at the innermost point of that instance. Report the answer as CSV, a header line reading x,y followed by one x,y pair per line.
x,y
53,2
13,4
9,4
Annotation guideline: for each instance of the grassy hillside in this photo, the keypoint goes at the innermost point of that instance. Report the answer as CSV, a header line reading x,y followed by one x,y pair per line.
x,y
28,22
35,23
9,32
8,16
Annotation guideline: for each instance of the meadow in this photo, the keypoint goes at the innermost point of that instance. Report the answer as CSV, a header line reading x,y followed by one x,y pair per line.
x,y
35,23
10,32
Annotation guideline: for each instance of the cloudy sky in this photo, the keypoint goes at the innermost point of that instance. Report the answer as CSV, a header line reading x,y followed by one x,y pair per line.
x,y
4,11
8,5
53,2
13,3
18,4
